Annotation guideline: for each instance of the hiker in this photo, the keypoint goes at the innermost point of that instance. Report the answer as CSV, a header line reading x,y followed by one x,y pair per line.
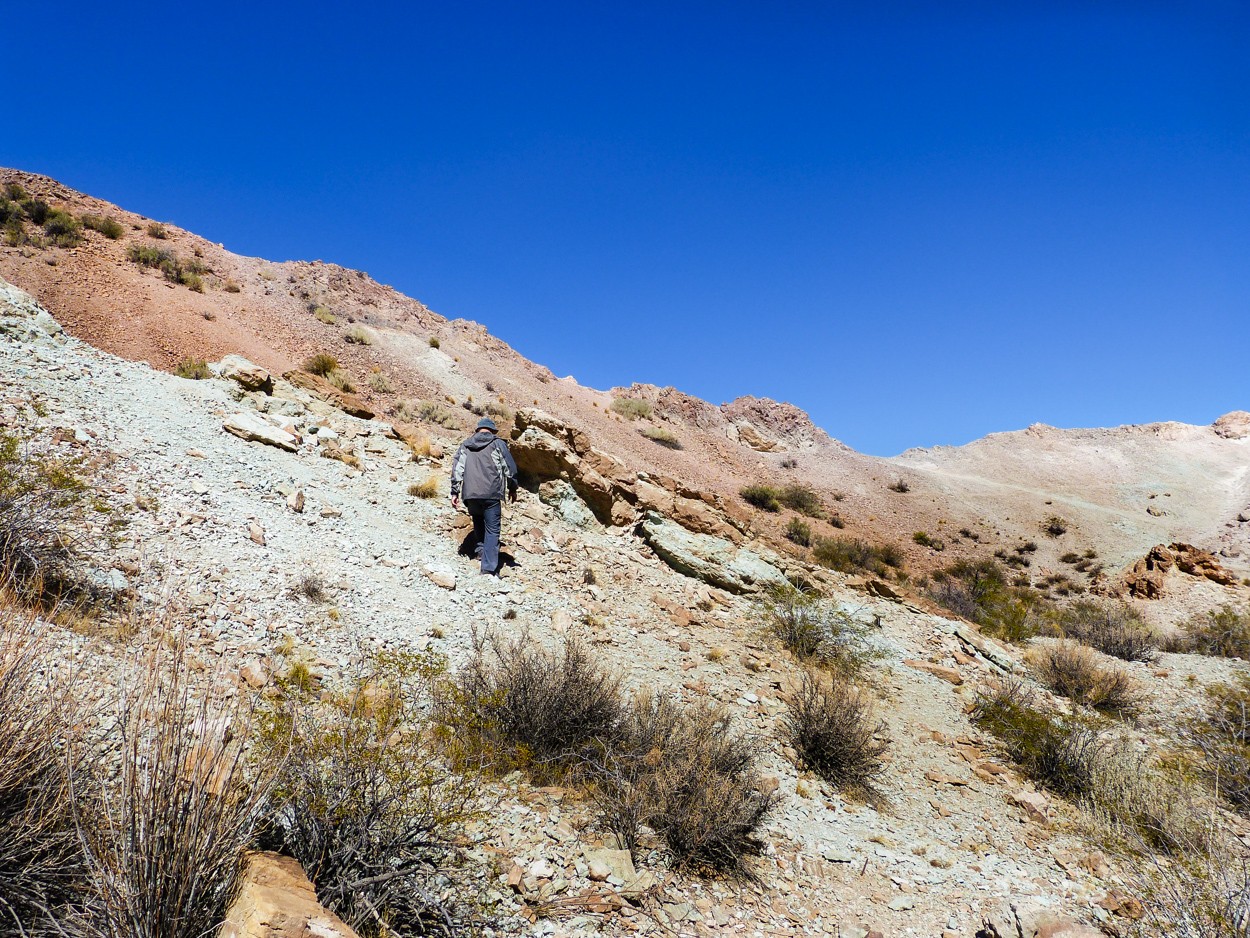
x,y
481,474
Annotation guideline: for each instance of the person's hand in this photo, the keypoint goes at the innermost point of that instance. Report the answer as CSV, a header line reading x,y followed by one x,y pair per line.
x,y
455,502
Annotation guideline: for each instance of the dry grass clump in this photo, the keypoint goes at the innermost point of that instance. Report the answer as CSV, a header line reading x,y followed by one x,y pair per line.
x,y
426,411
164,836
1221,733
663,436
1073,670
338,378
193,369
544,710
1202,896
833,727
1222,633
632,408
358,335
41,869
322,363
682,772
815,630
1113,628
426,489
380,381
311,586
368,809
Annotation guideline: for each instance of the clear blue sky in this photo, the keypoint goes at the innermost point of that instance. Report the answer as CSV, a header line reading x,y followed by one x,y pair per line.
x,y
919,222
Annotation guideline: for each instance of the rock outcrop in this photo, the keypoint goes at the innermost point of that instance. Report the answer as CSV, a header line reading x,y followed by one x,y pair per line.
x,y
320,387
261,428
276,900
1147,577
714,560
249,376
1233,426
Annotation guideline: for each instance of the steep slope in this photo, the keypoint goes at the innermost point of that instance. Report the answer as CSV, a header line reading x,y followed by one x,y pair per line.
x,y
1119,492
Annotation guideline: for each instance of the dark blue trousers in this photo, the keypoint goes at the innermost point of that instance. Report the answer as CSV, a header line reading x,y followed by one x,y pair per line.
x,y
486,514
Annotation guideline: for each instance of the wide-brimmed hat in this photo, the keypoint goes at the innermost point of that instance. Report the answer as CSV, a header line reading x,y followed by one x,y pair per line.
x,y
487,424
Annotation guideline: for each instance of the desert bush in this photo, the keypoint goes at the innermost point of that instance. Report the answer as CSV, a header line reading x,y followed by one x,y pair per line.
x,y
37,210
1055,526
1113,628
231,285
924,539
426,411
172,268
978,590
163,838
156,230
63,229
800,532
1071,557
1203,896
358,335
379,381
632,408
850,555
517,704
1222,633
148,255
426,489
41,865
110,227
802,499
763,497
832,726
900,486
323,315
1073,670
322,363
362,801
662,435
682,772
789,462
1221,733
194,369
14,191
434,343
311,586
338,378
43,533
815,629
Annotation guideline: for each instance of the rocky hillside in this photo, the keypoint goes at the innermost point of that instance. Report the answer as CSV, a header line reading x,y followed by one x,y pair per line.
x,y
239,488
1119,492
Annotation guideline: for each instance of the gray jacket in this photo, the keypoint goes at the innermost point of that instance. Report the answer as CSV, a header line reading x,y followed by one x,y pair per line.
x,y
483,468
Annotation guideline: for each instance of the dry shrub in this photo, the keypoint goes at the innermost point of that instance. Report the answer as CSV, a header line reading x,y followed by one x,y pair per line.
x,y
682,772
323,363
799,532
632,407
358,335
193,369
362,801
851,555
427,411
379,381
1119,788
662,435
978,590
426,489
43,539
41,868
164,835
815,629
763,497
1222,633
1204,896
1073,670
339,379
517,704
1222,735
833,727
1113,628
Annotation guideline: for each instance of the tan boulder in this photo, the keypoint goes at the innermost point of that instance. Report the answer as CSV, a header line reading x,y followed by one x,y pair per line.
x,y
249,376
256,428
276,900
1233,426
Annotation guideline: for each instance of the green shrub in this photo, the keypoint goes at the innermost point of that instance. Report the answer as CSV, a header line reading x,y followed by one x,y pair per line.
x,y
851,555
36,210
425,411
662,435
815,629
632,408
978,591
682,772
379,381
927,540
110,227
763,497
14,191
194,369
802,499
434,343
63,229
1055,526
323,315
1113,628
323,363
157,230
1222,735
832,726
800,532
361,800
